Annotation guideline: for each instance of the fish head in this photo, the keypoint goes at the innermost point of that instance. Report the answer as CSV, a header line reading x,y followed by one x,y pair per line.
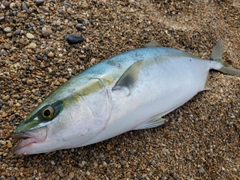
x,y
69,117
53,126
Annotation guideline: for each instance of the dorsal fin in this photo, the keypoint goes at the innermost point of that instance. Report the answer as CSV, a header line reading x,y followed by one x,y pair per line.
x,y
129,77
152,44
217,51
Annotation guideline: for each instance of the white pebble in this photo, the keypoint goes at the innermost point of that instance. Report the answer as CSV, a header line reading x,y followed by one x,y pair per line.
x,y
29,36
32,45
12,5
7,29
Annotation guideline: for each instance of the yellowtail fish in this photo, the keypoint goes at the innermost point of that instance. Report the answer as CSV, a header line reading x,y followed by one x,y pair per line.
x,y
130,91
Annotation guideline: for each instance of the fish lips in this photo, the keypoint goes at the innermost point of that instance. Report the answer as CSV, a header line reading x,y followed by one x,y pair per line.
x,y
29,138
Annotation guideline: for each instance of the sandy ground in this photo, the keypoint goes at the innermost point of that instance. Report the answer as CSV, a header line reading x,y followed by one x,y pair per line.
x,y
201,139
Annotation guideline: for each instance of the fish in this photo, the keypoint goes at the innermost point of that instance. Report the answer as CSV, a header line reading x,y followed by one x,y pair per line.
x,y
130,91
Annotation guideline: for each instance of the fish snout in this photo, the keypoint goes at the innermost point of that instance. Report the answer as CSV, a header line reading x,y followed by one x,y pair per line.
x,y
29,139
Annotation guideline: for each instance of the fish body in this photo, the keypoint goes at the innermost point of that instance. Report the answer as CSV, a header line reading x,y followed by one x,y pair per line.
x,y
130,91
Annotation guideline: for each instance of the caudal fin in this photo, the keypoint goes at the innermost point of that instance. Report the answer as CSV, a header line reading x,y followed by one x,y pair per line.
x,y
221,65
217,51
230,70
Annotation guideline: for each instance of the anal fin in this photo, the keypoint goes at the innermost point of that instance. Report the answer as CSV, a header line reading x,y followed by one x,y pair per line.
x,y
153,122
206,86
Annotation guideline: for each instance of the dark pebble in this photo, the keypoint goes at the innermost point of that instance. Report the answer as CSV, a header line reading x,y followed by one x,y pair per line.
x,y
39,57
74,38
24,7
47,52
68,4
45,58
81,21
139,176
80,27
12,178
39,2
17,32
107,160
19,97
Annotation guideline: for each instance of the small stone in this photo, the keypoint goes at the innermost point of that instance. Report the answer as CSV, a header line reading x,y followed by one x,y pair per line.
x,y
124,163
109,147
9,34
5,98
56,23
83,4
18,104
24,7
4,114
69,10
68,4
2,102
17,32
46,32
62,80
74,38
2,142
39,57
201,170
39,2
7,29
12,5
9,144
3,52
6,3
83,163
2,16
93,60
50,54
80,27
32,45
104,164
30,36
29,81
2,6
12,178
71,175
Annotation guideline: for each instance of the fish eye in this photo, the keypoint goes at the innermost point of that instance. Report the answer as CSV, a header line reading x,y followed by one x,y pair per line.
x,y
48,113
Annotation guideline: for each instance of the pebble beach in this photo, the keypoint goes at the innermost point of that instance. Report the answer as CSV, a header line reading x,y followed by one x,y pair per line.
x,y
43,43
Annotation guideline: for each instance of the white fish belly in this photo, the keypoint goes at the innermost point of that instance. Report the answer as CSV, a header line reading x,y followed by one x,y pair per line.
x,y
162,87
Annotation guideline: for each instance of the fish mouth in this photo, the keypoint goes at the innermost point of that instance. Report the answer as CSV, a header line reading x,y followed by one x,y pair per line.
x,y
28,139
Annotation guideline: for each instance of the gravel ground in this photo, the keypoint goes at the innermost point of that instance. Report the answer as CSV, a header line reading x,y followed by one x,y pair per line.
x,y
201,139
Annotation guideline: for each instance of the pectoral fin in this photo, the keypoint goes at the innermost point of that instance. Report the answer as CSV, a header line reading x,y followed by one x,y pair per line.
x,y
129,77
152,44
